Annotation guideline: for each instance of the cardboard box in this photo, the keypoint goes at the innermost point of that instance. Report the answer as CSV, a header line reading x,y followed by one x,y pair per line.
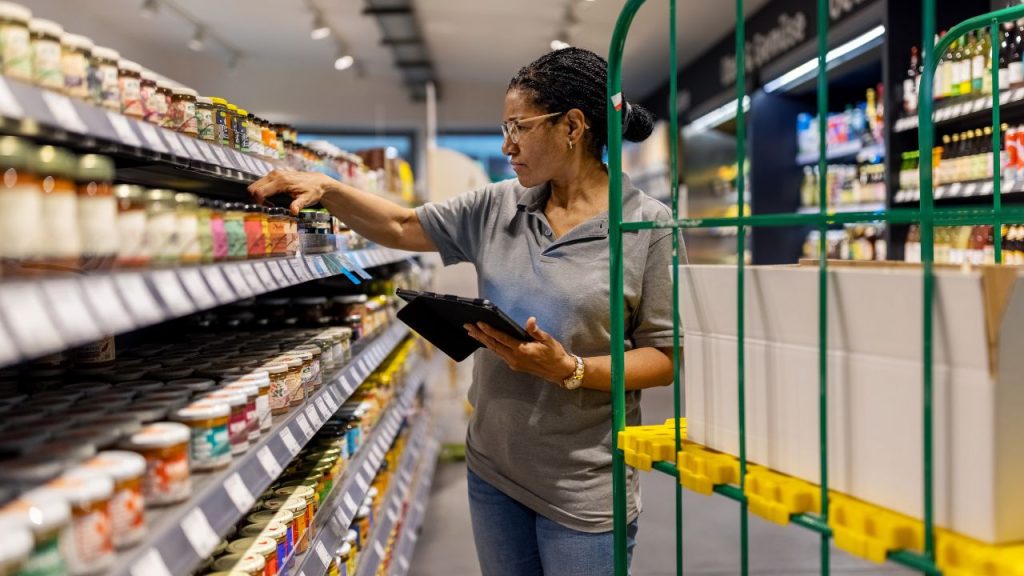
x,y
874,384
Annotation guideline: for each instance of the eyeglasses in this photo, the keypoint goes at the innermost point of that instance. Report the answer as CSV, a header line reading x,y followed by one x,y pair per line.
x,y
511,129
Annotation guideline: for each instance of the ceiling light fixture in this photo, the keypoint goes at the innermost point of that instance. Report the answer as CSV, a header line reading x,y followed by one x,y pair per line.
x,y
198,41
320,28
557,44
834,57
150,8
715,117
344,61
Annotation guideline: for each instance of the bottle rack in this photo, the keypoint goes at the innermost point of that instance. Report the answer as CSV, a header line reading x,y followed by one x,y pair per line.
x,y
978,109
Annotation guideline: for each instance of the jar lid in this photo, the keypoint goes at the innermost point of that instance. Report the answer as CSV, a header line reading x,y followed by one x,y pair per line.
x,y
148,76
35,511
183,91
158,195
264,545
47,27
128,192
351,299
15,546
16,152
51,160
261,517
163,85
218,101
151,410
77,42
29,471
275,368
296,503
242,545
246,563
204,100
275,505
193,384
311,348
352,537
345,550
304,492
93,167
231,397
119,464
300,354
81,486
247,388
243,112
203,411
18,442
104,53
186,200
16,12
160,434
130,66
232,107
275,530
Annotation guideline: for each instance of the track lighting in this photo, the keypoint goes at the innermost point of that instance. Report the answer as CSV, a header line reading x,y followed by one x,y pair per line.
x,y
320,28
198,41
559,44
344,61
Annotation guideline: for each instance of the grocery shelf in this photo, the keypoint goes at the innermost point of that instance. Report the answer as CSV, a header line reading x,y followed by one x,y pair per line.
x,y
416,509
340,507
180,537
866,207
844,151
977,108
40,316
976,189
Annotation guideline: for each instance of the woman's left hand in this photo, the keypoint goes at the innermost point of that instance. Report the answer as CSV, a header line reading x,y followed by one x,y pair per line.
x,y
544,357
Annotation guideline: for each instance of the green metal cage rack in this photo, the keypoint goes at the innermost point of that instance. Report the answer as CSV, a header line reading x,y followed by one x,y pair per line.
x,y
927,216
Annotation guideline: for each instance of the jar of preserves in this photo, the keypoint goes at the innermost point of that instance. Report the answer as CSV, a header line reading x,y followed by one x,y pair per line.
x,y
238,421
277,224
261,379
89,494
313,311
104,79
49,520
232,126
127,470
306,495
164,445
249,564
210,444
164,95
279,394
15,41
269,139
206,124
132,251
218,232
253,136
60,241
188,227
220,117
47,70
204,230
147,94
129,82
306,376
235,226
76,52
21,204
252,415
97,211
296,389
315,366
162,227
242,130
256,241
183,111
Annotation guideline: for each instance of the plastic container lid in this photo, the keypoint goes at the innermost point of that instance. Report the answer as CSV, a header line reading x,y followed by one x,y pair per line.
x,y
118,464
203,410
104,53
15,546
259,379
150,411
193,384
232,107
247,388
160,435
16,12
44,26
37,512
77,42
51,160
183,91
80,486
130,66
128,192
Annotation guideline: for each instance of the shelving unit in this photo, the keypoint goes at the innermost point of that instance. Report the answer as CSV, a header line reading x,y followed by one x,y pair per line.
x,y
977,109
845,151
415,511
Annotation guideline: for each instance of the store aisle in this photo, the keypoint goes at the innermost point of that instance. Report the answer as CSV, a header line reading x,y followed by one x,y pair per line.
x,y
711,530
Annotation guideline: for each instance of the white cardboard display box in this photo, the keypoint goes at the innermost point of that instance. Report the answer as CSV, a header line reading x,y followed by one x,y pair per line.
x,y
875,412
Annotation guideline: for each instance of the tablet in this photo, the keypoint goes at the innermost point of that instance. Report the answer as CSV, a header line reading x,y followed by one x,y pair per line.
x,y
439,318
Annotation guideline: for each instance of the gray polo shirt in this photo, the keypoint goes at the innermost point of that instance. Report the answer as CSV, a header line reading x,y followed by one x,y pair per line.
x,y
549,448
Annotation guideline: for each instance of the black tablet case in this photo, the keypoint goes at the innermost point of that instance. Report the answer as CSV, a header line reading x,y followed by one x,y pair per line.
x,y
439,319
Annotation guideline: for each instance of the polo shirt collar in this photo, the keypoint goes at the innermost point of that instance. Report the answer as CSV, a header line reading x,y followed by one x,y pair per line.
x,y
533,200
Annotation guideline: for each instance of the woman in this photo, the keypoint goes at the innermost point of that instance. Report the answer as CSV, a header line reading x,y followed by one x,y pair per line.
x,y
538,446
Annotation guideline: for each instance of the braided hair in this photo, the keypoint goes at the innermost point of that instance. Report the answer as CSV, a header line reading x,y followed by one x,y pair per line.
x,y
576,78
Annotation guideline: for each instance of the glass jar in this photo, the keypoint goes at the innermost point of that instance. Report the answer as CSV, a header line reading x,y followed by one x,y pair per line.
x,y
218,232
220,117
147,94
162,227
126,469
15,41
253,137
315,367
235,226
252,415
266,547
183,111
242,130
21,203
210,444
132,251
164,445
89,494
206,124
261,379
47,70
232,126
296,389
103,84
238,422
300,526
188,227
307,369
269,139
249,564
256,241
204,230
49,519
97,211
279,141
60,242
129,82
76,52
164,95
279,394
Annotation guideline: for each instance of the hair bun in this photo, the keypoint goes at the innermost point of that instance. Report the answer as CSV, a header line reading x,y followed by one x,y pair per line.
x,y
637,123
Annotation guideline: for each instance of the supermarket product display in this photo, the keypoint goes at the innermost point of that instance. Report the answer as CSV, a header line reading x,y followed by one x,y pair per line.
x,y
856,129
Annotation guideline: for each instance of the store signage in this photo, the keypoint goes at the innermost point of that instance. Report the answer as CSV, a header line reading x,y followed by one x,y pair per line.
x,y
790,30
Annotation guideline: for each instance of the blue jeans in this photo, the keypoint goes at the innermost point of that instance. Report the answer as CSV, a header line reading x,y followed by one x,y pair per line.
x,y
513,540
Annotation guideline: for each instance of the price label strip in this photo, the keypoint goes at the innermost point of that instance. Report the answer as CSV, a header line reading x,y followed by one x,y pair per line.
x,y
321,552
249,273
270,464
101,294
177,147
63,111
171,292
152,137
193,281
138,298
307,431
200,534
362,483
70,310
289,441
314,416
239,493
9,106
25,311
299,268
354,265
207,152
151,564
265,276
123,128
349,503
234,276
222,158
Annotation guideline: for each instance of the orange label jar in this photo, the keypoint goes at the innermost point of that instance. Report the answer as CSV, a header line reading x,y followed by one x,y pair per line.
x,y
127,469
164,445
305,494
90,548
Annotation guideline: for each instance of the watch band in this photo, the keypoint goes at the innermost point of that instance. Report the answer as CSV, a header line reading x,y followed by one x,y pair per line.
x,y
576,379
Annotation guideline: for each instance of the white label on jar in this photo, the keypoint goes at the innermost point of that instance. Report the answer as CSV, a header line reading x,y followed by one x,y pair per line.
x,y
16,48
263,411
110,90
21,210
199,533
239,493
161,236
46,64
76,70
131,96
131,235
188,235
60,221
205,125
91,546
97,222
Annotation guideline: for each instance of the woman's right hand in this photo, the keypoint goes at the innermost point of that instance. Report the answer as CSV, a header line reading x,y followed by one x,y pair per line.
x,y
306,188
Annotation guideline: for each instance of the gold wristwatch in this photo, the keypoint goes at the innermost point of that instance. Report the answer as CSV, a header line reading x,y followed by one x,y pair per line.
x,y
576,380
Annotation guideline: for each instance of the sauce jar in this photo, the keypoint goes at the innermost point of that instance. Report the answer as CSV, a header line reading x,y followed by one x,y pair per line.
x,y
148,95
231,123
49,520
206,122
278,232
15,549
163,104
238,421
279,394
162,227
305,494
253,137
60,241
316,376
132,251
296,389
242,130
164,445
270,518
126,469
21,203
97,211
251,564
296,508
76,52
104,79
218,232
308,375
210,445
90,548
266,547
47,70
261,380
188,227
252,416
221,118
129,82
15,41
269,139
265,223
183,111
204,230
235,226
256,240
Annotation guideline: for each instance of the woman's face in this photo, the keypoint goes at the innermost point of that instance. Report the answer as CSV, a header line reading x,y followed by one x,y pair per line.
x,y
537,156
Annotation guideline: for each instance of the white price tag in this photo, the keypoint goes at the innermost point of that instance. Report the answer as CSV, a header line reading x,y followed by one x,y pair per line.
x,y
9,106
378,454
369,469
307,431
169,287
287,273
314,416
378,549
300,269
321,552
362,483
276,270
222,157
1018,94
152,137
986,188
138,298
1004,97
25,311
403,564
265,276
392,515
251,278
322,407
197,289
64,112
315,270
347,386
199,533
234,275
289,441
978,105
238,493
177,148
269,463
238,159
349,503
109,311
218,283
207,152
123,129
364,367
150,564
70,310
191,147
